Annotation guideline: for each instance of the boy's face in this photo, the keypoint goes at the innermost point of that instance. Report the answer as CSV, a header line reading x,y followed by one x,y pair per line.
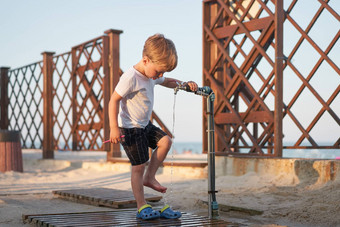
x,y
152,70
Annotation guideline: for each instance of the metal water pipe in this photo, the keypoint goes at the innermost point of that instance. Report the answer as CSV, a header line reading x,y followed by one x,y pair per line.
x,y
208,93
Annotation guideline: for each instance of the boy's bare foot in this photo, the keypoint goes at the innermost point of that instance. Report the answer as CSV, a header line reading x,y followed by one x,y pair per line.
x,y
155,185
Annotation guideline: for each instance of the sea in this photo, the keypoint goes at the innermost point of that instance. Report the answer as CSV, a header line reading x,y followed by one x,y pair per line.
x,y
186,148
196,148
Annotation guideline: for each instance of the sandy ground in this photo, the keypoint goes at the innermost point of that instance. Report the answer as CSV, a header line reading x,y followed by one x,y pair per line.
x,y
283,200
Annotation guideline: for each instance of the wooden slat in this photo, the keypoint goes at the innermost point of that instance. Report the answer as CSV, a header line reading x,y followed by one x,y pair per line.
x,y
88,127
118,218
252,25
103,197
255,116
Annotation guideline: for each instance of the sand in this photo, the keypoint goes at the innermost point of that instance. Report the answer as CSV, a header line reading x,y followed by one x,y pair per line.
x,y
282,200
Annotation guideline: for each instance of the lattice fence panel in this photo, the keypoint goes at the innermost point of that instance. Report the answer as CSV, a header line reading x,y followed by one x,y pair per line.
x,y
73,100
62,101
239,64
240,68
25,109
312,74
88,103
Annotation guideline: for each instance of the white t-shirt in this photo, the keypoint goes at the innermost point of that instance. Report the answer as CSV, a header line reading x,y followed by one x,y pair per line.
x,y
138,96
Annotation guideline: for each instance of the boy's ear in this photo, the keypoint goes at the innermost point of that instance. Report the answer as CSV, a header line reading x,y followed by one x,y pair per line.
x,y
145,59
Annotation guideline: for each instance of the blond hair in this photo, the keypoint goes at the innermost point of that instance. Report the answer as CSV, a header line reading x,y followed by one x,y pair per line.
x,y
161,51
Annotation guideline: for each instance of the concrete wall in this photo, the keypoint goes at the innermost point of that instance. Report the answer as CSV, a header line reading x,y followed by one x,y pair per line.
x,y
320,171
298,170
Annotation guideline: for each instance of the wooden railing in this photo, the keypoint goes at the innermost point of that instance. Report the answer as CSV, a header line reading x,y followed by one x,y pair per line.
x,y
60,103
246,64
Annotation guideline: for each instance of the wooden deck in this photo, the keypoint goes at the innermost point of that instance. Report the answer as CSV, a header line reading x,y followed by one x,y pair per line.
x,y
124,217
103,197
117,218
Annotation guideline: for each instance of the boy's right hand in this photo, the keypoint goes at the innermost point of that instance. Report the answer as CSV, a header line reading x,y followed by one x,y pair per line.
x,y
115,136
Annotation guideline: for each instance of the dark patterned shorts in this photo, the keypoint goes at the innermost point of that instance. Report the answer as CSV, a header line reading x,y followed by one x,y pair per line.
x,y
137,141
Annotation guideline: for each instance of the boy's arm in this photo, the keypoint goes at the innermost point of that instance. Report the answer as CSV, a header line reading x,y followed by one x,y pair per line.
x,y
113,117
172,83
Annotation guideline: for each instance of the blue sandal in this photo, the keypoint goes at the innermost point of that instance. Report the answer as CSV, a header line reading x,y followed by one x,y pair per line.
x,y
147,213
167,212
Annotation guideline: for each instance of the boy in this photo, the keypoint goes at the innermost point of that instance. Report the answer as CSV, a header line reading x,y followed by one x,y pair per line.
x,y
130,109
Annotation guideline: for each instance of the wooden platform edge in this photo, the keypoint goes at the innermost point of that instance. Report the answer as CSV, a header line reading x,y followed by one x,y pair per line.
x,y
25,217
187,219
88,200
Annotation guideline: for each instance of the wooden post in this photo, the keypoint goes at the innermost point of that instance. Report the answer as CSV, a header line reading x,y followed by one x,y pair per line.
x,y
106,91
219,75
74,99
4,98
206,66
10,151
112,80
278,113
48,149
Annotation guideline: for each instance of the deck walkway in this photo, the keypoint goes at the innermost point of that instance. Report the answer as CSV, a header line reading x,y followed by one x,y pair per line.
x,y
118,218
103,197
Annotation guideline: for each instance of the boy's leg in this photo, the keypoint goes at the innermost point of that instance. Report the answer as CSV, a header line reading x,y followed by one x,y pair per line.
x,y
137,173
157,158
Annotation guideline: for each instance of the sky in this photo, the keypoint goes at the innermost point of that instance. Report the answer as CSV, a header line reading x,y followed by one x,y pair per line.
x,y
29,28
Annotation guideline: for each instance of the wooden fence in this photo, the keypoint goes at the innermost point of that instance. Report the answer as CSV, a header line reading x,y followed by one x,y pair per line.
x,y
61,102
244,61
246,64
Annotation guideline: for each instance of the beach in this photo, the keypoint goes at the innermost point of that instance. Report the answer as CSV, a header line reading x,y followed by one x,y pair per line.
x,y
277,200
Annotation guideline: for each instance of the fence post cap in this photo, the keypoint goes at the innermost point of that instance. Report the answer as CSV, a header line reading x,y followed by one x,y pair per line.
x,y
9,136
48,53
113,31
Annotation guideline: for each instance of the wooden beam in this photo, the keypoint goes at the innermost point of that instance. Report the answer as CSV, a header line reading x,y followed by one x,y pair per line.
x,y
114,74
48,152
278,113
252,25
4,97
252,117
88,127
